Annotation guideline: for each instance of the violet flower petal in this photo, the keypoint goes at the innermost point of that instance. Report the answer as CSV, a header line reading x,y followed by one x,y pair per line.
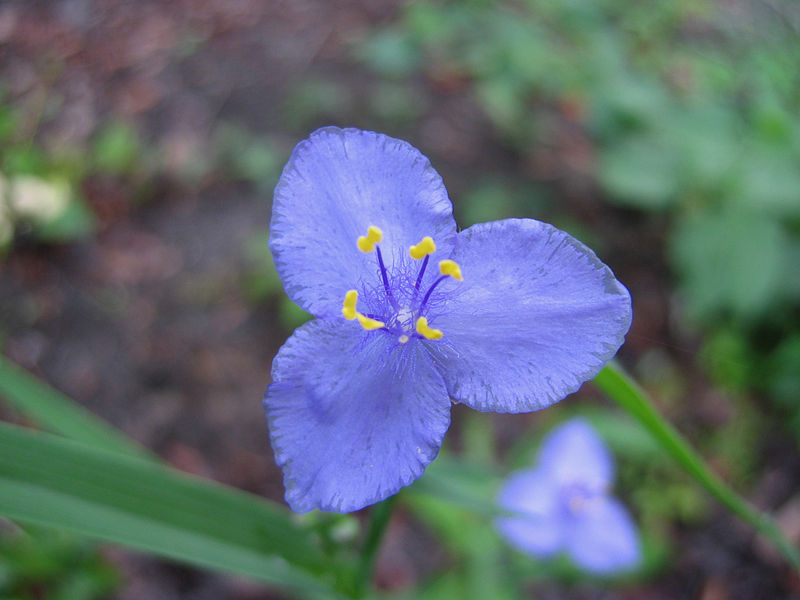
x,y
536,315
336,184
573,454
537,529
602,539
352,417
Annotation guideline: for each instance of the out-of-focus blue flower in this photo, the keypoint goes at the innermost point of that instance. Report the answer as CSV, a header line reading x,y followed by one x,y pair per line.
x,y
564,504
509,316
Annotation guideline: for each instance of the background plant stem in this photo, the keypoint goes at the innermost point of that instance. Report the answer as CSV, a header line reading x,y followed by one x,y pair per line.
x,y
625,392
378,520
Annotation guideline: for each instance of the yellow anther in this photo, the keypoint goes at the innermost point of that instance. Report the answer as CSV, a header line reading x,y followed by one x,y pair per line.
x,y
450,267
366,243
427,332
423,249
349,306
349,311
369,324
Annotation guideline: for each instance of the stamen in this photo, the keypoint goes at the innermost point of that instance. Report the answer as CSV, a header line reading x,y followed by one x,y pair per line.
x,y
349,311
451,268
421,273
384,276
427,332
366,243
368,323
349,306
430,291
423,249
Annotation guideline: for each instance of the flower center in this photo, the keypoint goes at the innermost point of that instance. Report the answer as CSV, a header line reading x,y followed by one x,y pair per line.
x,y
403,308
578,498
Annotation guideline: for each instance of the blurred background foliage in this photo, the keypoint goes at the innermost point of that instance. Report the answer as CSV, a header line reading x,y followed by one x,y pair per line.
x,y
43,563
664,134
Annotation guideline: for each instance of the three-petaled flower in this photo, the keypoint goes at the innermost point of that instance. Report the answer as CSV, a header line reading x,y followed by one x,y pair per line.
x,y
508,316
564,504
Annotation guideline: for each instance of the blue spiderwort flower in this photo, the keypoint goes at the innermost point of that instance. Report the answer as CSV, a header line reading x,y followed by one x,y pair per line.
x,y
564,504
509,316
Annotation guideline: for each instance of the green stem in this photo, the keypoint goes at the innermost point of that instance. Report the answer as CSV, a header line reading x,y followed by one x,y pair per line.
x,y
625,392
378,520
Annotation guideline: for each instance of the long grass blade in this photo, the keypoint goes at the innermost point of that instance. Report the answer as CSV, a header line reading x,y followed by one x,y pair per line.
x,y
625,392
47,480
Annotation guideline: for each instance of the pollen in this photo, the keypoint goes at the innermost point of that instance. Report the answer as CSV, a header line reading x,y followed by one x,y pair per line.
x,y
403,339
427,332
423,249
368,323
349,306
349,311
366,243
451,268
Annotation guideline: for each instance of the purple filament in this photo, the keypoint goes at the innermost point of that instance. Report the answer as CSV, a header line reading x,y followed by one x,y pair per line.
x,y
430,291
421,272
385,277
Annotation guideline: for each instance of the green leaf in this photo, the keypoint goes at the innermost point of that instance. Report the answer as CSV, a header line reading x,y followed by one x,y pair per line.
x,y
624,391
9,121
290,315
53,410
783,380
390,53
641,172
50,481
57,564
314,101
464,485
473,541
446,585
260,279
24,160
625,103
75,222
503,100
397,102
770,183
709,139
116,149
730,260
